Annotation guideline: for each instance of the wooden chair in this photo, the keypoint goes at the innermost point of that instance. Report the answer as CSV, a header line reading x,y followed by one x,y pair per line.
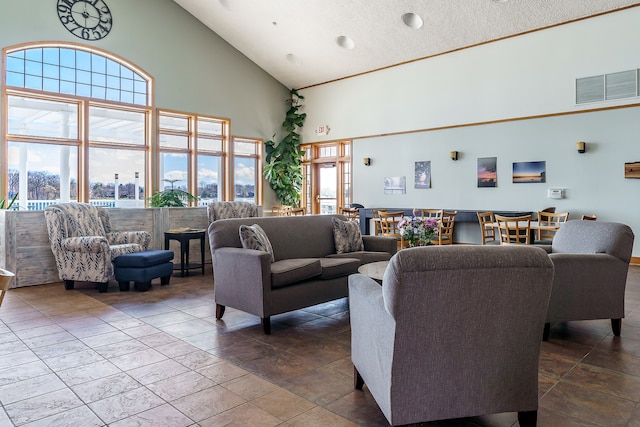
x,y
514,230
297,211
352,214
6,277
432,213
376,221
280,210
445,231
389,226
488,233
545,237
589,217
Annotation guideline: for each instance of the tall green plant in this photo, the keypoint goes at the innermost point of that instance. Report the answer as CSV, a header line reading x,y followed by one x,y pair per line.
x,y
283,168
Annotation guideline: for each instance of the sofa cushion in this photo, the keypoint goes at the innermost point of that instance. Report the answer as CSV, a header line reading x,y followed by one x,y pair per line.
x,y
288,271
254,237
365,257
346,235
338,267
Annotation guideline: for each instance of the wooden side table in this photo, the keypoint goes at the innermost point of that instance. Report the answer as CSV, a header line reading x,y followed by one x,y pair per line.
x,y
184,237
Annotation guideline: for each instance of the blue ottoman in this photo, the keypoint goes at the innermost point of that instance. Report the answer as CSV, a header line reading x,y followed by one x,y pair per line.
x,y
142,268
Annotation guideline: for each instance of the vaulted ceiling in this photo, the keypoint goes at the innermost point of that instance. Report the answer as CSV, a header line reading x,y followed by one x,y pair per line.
x,y
303,43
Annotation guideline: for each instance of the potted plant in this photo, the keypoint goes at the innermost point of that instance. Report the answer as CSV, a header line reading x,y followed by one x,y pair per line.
x,y
283,159
172,197
3,202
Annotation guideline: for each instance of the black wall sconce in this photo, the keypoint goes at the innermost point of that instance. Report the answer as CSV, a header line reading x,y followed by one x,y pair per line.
x,y
581,147
453,155
366,161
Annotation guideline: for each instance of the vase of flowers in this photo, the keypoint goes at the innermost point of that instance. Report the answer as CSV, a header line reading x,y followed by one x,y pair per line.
x,y
418,231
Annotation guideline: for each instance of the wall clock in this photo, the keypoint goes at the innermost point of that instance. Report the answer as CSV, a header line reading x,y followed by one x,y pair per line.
x,y
89,20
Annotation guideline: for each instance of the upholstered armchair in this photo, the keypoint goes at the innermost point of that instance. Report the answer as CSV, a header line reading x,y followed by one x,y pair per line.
x,y
84,245
454,331
223,210
591,260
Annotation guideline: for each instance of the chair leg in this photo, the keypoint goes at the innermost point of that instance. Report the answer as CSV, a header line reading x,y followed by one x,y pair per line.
x,y
616,326
68,284
545,333
142,286
528,418
102,287
219,311
358,382
266,325
124,286
165,280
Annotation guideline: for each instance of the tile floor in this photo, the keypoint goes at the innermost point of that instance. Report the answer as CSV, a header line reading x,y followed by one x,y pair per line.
x,y
159,358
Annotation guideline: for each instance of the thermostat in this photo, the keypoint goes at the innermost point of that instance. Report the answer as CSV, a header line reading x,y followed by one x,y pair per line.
x,y
555,193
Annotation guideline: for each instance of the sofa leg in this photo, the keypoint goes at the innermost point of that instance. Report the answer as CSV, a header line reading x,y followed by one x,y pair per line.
x,y
219,311
545,333
124,286
358,382
616,326
266,325
102,287
528,418
142,286
68,284
165,280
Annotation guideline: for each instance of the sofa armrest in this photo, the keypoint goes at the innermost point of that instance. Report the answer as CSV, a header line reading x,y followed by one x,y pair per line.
x,y
242,279
141,238
87,244
380,244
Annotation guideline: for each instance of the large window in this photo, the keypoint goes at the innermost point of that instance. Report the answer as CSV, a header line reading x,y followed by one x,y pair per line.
x,y
247,169
77,127
193,154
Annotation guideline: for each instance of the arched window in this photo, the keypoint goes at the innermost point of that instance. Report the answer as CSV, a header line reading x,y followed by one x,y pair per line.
x,y
77,126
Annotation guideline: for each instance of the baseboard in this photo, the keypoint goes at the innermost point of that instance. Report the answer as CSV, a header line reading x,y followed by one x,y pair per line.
x,y
635,260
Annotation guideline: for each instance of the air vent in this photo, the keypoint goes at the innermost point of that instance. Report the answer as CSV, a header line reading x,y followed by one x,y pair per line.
x,y
589,89
623,84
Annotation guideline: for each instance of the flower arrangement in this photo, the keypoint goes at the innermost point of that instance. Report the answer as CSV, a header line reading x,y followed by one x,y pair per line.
x,y
418,231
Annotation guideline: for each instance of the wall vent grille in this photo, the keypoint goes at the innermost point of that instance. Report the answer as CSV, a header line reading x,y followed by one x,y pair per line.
x,y
623,84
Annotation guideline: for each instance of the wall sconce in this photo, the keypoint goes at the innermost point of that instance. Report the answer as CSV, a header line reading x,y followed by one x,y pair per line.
x,y
581,146
453,155
366,161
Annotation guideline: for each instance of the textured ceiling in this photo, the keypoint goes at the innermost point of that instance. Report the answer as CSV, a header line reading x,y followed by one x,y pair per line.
x,y
295,40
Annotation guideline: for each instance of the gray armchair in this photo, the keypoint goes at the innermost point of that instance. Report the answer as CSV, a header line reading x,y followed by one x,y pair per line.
x,y
84,245
453,331
591,260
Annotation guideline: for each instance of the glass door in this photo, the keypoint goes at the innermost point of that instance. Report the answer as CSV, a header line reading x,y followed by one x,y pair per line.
x,y
326,188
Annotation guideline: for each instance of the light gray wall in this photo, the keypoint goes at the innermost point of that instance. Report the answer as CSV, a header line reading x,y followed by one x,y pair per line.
x,y
523,89
195,71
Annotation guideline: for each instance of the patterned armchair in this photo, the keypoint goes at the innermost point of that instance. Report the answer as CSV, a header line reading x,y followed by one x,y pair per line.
x,y
84,245
223,210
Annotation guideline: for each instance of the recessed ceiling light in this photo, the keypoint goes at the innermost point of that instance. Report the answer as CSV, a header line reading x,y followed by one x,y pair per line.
x,y
500,1
294,59
228,4
412,20
345,42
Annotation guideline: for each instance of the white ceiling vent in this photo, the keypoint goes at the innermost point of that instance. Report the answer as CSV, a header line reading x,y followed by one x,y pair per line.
x,y
623,84
589,89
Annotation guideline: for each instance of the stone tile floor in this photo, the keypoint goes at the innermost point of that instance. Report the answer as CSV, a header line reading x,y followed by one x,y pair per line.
x,y
159,358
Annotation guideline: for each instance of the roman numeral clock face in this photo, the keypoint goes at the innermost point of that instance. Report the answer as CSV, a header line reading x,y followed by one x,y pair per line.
x,y
87,19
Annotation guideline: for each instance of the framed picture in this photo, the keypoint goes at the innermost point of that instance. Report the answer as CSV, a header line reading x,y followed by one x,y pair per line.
x,y
423,175
487,172
395,185
529,172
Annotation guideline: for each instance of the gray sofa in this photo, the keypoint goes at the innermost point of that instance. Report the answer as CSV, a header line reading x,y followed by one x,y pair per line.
x,y
591,260
306,271
454,331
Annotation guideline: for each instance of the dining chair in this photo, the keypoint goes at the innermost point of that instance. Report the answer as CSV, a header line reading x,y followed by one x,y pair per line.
x,y
543,236
389,226
445,230
352,214
514,229
280,210
376,221
432,213
297,211
487,232
589,217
